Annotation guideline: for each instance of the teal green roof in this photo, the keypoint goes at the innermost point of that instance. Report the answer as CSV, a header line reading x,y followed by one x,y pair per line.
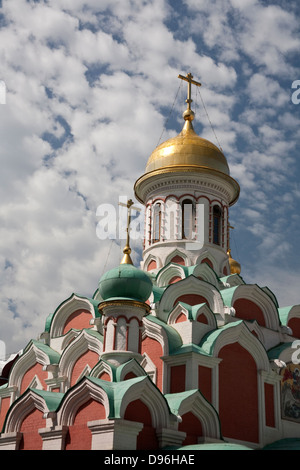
x,y
175,399
215,446
227,295
274,353
52,399
125,282
116,371
189,348
208,342
188,270
284,444
193,309
157,293
116,390
174,339
54,356
284,313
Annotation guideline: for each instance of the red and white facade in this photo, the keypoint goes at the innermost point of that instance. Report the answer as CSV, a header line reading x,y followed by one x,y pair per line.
x,y
206,359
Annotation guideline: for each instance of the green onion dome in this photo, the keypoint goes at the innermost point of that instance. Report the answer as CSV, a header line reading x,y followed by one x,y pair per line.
x,y
125,282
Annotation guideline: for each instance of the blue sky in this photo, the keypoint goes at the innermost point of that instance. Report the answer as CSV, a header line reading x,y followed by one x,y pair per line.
x,y
90,86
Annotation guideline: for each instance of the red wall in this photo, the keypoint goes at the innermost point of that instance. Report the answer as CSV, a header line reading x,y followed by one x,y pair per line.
x,y
88,358
78,320
181,318
178,260
31,439
35,370
238,394
193,428
177,379
79,435
248,310
204,382
154,350
294,324
175,279
269,405
105,376
151,265
137,411
202,319
5,403
191,299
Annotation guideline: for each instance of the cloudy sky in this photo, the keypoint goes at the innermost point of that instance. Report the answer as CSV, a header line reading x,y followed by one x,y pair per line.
x,y
91,88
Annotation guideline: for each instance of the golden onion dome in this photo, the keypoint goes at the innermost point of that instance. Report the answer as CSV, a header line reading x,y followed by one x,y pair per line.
x,y
187,149
186,153
235,267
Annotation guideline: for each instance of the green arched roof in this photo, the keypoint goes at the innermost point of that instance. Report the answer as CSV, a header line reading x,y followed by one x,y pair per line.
x,y
174,339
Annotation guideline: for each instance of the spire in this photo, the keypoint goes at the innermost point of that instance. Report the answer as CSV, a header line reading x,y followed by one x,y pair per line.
x,y
235,267
127,250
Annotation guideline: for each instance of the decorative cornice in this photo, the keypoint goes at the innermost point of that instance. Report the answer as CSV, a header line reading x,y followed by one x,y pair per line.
x,y
192,177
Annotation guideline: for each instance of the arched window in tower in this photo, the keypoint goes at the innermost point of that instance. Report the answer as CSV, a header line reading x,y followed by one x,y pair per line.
x,y
156,222
187,218
217,222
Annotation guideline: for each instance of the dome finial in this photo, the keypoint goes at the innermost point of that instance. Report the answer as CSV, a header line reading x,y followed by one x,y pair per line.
x,y
188,114
127,250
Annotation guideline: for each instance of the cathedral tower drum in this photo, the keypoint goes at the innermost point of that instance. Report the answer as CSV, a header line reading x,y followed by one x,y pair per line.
x,y
187,191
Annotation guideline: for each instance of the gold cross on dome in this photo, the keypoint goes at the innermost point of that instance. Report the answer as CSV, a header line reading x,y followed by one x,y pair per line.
x,y
189,79
127,250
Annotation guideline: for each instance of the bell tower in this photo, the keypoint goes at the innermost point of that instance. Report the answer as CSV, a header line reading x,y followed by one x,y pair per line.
x,y
187,191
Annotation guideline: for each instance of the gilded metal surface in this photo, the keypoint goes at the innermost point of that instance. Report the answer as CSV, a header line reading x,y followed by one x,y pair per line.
x,y
121,303
187,148
235,267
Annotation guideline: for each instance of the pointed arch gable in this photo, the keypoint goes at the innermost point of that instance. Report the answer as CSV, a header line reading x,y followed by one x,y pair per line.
x,y
73,306
176,254
128,368
192,313
236,332
36,355
290,317
142,388
168,272
206,273
151,258
86,389
207,258
189,286
45,402
104,368
164,334
193,401
85,341
267,313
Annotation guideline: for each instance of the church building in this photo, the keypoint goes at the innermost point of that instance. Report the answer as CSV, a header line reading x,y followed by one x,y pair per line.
x,y
178,353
